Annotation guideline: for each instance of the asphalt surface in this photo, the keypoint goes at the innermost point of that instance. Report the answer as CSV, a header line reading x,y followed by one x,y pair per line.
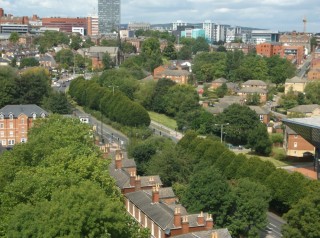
x,y
273,229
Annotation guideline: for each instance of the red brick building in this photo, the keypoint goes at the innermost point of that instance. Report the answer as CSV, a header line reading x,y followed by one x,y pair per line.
x,y
269,49
65,24
16,120
295,145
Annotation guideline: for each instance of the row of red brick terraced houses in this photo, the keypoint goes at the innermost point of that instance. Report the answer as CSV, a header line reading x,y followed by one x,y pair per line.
x,y
154,206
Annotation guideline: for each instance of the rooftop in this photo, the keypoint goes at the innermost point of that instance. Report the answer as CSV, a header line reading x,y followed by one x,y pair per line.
x,y
304,108
28,110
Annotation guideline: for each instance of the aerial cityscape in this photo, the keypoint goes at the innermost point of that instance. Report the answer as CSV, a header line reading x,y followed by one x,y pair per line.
x,y
185,119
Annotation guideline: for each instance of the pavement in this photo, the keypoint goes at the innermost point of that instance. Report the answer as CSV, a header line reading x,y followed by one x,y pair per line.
x,y
307,169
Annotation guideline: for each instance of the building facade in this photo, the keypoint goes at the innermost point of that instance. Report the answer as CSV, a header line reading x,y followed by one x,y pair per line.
x,y
65,24
109,13
16,120
93,25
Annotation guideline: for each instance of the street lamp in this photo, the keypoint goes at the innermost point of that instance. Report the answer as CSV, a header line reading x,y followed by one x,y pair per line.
x,y
221,129
113,89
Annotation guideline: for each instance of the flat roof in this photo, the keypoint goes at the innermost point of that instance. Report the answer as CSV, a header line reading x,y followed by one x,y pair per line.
x,y
308,128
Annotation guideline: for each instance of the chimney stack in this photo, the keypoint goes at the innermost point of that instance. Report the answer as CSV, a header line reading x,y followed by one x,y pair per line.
x,y
118,159
200,219
138,183
155,194
185,225
132,179
209,222
177,217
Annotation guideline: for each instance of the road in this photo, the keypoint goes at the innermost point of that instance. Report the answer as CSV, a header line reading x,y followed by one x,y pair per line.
x,y
162,130
303,69
273,229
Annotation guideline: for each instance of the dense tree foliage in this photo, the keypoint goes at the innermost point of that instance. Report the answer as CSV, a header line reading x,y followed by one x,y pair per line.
x,y
8,79
241,120
119,79
312,92
50,39
116,106
165,35
151,54
29,62
57,102
14,37
65,58
235,66
170,52
56,184
258,140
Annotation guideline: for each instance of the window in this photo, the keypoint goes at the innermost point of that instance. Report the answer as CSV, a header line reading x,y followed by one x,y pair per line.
x,y
1,125
11,116
34,116
295,136
1,117
261,117
22,120
11,142
11,125
43,115
22,131
3,142
11,133
23,140
295,144
2,134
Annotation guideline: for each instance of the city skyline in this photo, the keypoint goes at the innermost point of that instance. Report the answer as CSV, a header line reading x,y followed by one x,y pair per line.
x,y
284,15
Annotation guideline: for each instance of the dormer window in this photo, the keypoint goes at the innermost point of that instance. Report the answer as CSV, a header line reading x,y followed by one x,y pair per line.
x,y
1,117
11,116
43,115
34,116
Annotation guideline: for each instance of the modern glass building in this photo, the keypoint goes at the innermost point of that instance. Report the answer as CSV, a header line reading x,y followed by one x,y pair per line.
x,y
109,15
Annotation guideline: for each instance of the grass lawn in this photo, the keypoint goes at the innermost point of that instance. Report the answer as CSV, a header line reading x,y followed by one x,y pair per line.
x,y
273,158
163,119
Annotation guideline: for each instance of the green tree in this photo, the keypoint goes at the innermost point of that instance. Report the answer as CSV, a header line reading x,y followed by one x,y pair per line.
x,y
76,42
303,219
65,58
279,69
221,48
29,62
258,140
208,191
57,102
151,53
107,61
199,45
252,67
170,52
32,86
312,92
222,90
8,77
241,121
14,37
185,53
158,103
248,208
253,99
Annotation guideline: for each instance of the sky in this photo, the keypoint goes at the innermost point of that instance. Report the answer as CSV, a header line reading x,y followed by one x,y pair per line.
x,y
283,15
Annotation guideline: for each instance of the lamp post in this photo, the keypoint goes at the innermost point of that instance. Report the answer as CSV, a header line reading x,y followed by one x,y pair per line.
x,y
221,129
113,89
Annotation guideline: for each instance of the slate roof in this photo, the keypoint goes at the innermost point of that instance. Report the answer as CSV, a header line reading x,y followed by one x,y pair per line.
x,y
259,110
222,233
296,79
304,108
255,82
160,213
121,177
220,80
289,131
169,72
103,49
163,193
252,90
28,110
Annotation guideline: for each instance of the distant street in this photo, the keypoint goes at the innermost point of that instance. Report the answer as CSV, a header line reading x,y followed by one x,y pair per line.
x,y
303,69
273,229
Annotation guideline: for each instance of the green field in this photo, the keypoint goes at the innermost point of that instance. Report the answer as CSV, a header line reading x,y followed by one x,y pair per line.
x,y
163,119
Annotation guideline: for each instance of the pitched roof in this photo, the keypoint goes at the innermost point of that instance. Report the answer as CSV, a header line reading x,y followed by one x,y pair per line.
x,y
222,233
296,79
220,80
255,82
252,90
169,72
160,213
103,49
304,108
28,110
259,110
163,192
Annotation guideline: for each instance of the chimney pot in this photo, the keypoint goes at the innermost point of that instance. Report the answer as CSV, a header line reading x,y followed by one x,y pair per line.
x,y
185,225
132,179
200,219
